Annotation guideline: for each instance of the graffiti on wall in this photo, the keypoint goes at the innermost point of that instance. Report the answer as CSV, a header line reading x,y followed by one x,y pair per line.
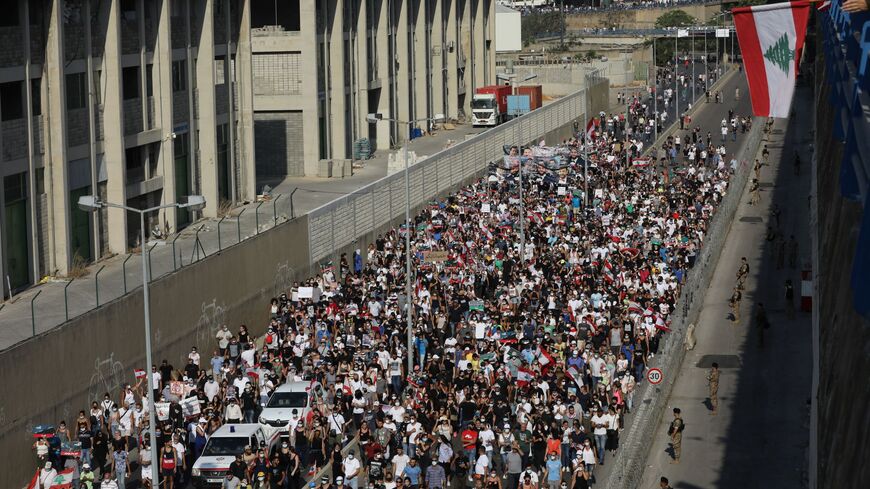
x,y
211,318
107,377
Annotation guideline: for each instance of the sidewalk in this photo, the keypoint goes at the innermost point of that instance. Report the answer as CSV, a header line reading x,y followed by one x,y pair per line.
x,y
61,299
760,436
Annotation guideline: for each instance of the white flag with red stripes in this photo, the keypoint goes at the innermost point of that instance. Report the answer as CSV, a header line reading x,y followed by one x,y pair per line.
x,y
771,38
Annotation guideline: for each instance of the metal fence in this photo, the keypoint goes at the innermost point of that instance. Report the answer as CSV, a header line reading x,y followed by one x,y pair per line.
x,y
650,401
339,223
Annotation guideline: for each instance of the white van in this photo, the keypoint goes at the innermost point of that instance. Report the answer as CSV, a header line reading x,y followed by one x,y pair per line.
x,y
222,447
290,396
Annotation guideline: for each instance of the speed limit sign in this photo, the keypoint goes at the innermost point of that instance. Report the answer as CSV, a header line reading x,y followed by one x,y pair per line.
x,y
654,376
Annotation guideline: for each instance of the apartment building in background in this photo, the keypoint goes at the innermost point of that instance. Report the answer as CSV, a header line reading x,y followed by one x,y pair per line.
x,y
319,67
141,102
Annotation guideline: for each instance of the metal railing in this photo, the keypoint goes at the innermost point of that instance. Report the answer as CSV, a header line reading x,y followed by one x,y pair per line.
x,y
339,223
651,401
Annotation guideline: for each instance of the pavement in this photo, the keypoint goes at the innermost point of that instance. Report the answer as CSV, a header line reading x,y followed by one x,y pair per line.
x,y
759,439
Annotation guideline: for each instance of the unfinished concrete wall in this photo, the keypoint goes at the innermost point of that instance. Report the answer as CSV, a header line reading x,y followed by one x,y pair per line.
x,y
52,376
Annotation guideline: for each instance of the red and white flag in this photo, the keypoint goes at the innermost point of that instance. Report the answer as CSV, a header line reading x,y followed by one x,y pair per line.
x,y
771,38
138,373
524,376
63,480
590,130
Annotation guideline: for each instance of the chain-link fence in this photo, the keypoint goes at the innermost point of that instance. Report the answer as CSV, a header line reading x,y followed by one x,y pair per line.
x,y
650,401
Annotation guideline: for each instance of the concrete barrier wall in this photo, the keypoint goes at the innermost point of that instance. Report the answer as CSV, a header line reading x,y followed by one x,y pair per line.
x,y
52,376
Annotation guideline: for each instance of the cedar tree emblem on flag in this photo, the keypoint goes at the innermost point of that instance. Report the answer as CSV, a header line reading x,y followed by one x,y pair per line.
x,y
780,54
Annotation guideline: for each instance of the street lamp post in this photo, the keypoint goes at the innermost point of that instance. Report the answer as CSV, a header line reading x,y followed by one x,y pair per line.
x,y
373,118
92,203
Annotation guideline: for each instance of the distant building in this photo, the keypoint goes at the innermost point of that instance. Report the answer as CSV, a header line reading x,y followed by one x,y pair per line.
x,y
508,28
320,67
138,101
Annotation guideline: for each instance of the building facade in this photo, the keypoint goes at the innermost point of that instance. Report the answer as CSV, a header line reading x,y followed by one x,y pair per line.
x,y
320,67
140,102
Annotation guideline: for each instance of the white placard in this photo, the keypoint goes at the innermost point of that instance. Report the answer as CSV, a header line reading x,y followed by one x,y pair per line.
x,y
190,407
161,409
682,33
560,191
306,292
484,208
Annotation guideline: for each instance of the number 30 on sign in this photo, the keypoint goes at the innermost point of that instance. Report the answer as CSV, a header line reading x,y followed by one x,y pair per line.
x,y
654,376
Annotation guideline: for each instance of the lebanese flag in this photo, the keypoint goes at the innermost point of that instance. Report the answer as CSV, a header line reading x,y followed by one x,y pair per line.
x,y
34,483
771,38
590,130
64,480
524,376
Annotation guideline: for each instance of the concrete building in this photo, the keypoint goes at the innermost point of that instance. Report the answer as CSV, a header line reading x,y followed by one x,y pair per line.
x,y
321,66
508,27
139,101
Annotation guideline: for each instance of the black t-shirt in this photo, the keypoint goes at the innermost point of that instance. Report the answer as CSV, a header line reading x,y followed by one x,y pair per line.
x,y
238,469
165,373
85,438
376,469
639,354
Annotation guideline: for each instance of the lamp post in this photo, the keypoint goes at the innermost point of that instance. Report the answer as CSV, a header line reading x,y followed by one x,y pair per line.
x,y
373,118
92,203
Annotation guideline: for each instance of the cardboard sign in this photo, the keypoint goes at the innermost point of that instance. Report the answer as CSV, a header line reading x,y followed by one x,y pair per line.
x,y
190,407
435,256
161,409
176,388
306,292
485,208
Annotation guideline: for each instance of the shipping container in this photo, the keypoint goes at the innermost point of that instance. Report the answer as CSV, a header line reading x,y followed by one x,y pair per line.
x,y
535,94
517,105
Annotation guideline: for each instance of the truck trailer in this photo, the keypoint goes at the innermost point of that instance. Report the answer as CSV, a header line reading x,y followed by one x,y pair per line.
x,y
489,105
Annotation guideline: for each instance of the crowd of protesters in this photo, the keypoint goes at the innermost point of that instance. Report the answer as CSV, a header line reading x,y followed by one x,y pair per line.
x,y
529,340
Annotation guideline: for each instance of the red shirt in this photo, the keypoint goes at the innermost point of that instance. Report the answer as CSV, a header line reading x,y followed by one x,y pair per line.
x,y
469,438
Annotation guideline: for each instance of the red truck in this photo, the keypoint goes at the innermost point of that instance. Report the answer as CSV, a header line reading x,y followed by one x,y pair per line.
x,y
489,105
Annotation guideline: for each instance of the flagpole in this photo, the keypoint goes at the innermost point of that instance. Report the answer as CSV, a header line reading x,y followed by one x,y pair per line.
x,y
522,216
586,163
706,70
693,67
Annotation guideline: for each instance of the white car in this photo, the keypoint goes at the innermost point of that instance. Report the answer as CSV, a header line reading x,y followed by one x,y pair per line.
x,y
289,397
222,447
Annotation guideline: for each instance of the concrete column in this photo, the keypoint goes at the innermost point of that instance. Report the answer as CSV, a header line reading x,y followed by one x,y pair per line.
x,y
464,56
205,79
338,108
439,47
55,156
361,69
245,110
477,30
403,70
162,78
451,48
308,12
421,55
382,47
113,140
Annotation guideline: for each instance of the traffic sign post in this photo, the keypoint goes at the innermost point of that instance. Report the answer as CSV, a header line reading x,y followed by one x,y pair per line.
x,y
654,376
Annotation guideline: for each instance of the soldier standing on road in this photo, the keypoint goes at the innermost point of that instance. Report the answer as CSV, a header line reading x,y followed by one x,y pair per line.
x,y
754,192
734,302
713,382
742,272
676,433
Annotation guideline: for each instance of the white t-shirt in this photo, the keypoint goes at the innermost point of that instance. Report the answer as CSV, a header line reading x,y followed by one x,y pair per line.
x,y
399,463
481,465
486,438
351,465
596,420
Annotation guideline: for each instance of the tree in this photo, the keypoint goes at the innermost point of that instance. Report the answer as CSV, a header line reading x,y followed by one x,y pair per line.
x,y
541,23
675,18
